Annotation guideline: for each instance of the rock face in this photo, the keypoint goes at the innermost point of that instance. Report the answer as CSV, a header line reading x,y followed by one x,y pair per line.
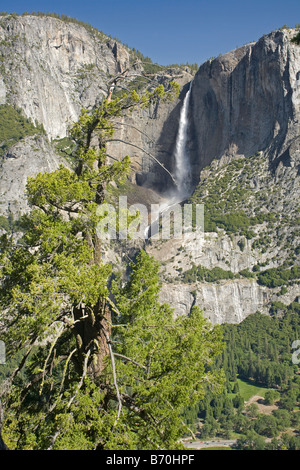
x,y
52,69
243,102
154,130
26,159
248,100
225,302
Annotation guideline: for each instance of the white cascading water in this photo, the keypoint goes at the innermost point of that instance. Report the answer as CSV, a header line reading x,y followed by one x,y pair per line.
x,y
182,173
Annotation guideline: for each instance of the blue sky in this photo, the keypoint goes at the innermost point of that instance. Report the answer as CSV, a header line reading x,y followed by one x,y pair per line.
x,y
175,31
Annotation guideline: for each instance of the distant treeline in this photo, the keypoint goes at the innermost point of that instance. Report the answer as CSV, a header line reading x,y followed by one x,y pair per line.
x,y
273,277
258,352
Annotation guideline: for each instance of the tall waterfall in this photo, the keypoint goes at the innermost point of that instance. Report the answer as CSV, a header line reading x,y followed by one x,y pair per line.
x,y
182,172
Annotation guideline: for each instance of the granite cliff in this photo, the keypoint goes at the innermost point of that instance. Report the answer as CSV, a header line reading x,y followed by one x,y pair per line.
x,y
249,100
51,69
243,144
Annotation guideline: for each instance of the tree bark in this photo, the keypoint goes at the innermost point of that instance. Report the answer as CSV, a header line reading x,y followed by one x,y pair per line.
x,y
3,446
92,328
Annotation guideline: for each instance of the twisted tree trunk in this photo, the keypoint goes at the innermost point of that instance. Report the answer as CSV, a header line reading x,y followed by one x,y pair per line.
x,y
3,446
92,330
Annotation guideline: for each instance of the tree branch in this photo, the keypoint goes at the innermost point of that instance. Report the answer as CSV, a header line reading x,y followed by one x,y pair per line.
x,y
82,378
7,383
113,306
118,123
147,153
3,446
114,377
65,368
130,360
47,359
54,438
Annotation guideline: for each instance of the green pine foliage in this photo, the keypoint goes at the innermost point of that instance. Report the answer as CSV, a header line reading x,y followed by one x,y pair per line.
x,y
200,273
296,39
260,347
8,224
105,365
14,127
226,192
281,276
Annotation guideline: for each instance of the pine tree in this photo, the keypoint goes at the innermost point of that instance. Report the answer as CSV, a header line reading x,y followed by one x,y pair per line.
x,y
99,373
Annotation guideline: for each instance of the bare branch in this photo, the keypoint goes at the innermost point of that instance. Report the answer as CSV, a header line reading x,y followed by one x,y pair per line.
x,y
82,378
114,377
3,446
7,383
47,359
128,359
65,368
113,306
118,123
117,160
184,424
147,153
54,438
122,75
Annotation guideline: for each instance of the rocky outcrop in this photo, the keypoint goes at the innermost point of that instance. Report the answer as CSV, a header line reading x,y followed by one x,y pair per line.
x,y
155,131
27,158
270,245
245,103
210,250
223,302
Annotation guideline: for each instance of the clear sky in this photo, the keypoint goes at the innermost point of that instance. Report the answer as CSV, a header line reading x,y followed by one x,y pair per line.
x,y
174,31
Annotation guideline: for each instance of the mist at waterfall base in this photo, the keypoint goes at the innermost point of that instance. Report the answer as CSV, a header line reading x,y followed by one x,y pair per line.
x,y
182,171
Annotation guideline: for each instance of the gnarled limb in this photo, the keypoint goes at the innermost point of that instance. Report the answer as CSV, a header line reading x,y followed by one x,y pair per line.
x,y
114,379
85,367
147,153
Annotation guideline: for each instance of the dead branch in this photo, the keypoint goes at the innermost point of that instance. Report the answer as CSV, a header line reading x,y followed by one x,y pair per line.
x,y
47,359
65,368
147,153
7,383
82,378
3,446
114,377
118,123
54,438
113,306
128,359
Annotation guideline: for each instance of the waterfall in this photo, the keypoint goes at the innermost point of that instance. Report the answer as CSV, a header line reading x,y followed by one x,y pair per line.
x,y
182,174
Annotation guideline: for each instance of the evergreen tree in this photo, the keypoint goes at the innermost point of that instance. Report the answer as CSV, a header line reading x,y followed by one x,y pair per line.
x,y
99,373
251,441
